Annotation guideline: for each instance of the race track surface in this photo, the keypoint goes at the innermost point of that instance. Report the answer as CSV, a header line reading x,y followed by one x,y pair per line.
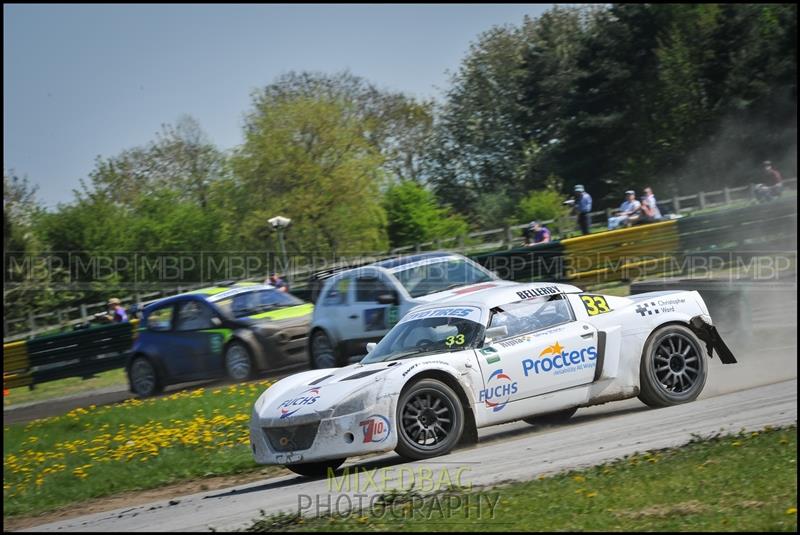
x,y
761,390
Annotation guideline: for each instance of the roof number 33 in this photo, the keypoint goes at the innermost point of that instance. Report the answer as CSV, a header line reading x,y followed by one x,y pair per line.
x,y
595,304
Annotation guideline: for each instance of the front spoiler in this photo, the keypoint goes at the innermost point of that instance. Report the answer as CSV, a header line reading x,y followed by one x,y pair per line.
x,y
708,334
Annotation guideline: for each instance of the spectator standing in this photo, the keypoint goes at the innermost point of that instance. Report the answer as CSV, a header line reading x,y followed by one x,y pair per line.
x,y
650,211
536,233
773,180
116,312
628,211
583,204
278,283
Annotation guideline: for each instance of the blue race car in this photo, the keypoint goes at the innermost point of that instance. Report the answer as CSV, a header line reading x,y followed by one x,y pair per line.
x,y
234,331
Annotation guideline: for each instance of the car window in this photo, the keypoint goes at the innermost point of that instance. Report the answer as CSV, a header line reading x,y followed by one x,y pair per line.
x,y
160,319
337,293
248,303
193,315
369,288
435,277
531,315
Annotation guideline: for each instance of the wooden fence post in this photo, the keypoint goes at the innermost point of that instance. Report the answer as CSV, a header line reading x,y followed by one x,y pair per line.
x,y
701,198
32,321
676,204
727,194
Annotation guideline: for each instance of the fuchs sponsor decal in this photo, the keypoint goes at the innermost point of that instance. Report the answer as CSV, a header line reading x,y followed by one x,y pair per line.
x,y
499,389
470,313
538,292
375,429
291,406
559,360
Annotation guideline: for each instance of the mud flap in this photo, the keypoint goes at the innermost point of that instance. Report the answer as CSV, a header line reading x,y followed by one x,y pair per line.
x,y
708,334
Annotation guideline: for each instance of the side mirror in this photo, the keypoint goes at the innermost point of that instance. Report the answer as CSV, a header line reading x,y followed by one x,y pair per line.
x,y
493,333
371,346
389,298
216,322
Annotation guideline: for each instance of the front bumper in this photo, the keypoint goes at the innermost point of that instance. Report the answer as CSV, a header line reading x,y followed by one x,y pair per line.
x,y
320,436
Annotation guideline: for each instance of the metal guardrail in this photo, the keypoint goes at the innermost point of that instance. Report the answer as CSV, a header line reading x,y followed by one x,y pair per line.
x,y
489,240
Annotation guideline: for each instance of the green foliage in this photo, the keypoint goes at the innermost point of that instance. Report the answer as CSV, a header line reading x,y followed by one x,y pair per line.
x,y
310,160
414,216
543,205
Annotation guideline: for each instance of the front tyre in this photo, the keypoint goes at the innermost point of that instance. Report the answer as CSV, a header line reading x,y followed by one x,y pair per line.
x,y
319,469
144,378
238,362
430,420
323,354
673,368
551,418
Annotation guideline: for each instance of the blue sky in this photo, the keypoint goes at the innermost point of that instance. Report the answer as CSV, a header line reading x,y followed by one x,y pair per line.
x,y
86,80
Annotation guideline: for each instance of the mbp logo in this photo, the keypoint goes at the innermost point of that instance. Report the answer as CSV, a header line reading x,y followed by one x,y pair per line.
x,y
498,391
309,397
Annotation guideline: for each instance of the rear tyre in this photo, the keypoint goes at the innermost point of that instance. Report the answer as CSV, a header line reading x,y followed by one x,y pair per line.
x,y
551,418
238,362
319,469
430,420
323,354
143,378
673,368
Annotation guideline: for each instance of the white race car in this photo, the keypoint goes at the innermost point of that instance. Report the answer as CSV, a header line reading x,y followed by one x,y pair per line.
x,y
501,352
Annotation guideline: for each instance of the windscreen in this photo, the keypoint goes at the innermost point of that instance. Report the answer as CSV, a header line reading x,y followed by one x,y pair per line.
x,y
437,330
440,276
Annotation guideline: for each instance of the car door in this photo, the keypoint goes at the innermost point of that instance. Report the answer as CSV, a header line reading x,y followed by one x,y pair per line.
x,y
367,320
545,349
197,346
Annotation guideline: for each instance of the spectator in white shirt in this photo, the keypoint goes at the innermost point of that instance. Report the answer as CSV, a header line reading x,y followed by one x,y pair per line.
x,y
650,211
628,212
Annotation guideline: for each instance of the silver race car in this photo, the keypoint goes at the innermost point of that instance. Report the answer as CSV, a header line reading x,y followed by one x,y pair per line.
x,y
486,355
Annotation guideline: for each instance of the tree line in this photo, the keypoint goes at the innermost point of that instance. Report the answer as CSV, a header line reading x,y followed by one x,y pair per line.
x,y
678,96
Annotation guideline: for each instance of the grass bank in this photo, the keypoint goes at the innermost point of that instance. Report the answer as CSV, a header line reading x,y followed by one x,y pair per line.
x,y
746,482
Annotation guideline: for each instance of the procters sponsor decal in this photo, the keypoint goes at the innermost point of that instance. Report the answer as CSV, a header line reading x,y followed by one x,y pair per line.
x,y
499,389
375,429
291,406
557,360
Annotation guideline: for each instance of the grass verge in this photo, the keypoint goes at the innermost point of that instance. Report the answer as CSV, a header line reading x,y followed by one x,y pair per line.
x,y
746,482
138,444
65,387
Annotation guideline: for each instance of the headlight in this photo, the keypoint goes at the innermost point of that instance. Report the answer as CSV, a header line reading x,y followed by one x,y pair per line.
x,y
354,404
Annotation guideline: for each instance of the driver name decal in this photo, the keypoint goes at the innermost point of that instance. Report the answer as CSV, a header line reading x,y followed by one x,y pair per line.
x,y
538,292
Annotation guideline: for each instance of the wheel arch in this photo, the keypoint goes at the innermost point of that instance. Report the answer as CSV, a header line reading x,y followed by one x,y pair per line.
x,y
250,341
162,378
470,434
